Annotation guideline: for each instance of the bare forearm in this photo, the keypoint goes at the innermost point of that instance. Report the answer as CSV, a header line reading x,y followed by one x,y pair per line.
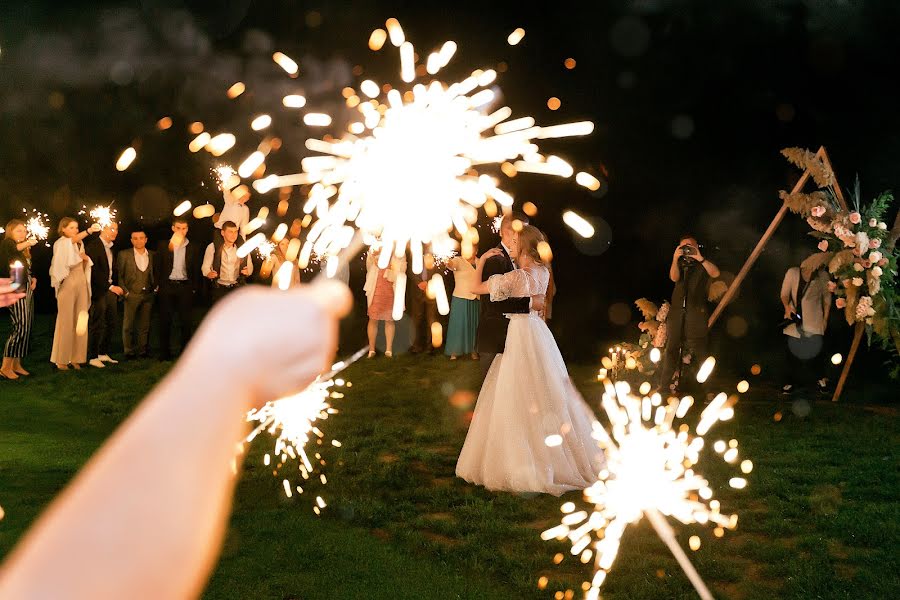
x,y
711,269
160,517
674,271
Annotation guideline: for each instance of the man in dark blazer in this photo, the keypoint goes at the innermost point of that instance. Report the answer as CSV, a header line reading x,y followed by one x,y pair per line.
x,y
176,268
422,309
105,293
492,324
135,266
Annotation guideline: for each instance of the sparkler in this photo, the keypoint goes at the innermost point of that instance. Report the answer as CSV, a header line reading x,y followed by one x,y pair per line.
x,y
413,169
650,473
293,423
103,215
265,249
35,226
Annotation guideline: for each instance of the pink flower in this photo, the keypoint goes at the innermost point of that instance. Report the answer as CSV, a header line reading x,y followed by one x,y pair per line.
x,y
882,262
882,226
857,281
840,303
866,264
876,243
845,282
823,245
858,267
875,256
817,211
832,286
877,272
855,218
873,222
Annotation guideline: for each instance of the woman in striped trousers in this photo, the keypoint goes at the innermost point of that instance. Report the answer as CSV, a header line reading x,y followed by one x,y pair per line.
x,y
15,254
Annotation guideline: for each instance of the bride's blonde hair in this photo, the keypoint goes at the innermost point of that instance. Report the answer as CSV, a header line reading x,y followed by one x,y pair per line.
x,y
529,239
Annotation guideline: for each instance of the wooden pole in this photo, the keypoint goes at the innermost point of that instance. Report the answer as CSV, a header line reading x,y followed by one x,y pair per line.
x,y
857,338
823,154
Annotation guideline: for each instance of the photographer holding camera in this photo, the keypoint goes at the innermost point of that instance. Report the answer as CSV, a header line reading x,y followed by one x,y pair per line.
x,y
687,328
806,299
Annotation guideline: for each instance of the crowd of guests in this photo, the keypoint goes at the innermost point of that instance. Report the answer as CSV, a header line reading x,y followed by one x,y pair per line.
x,y
91,275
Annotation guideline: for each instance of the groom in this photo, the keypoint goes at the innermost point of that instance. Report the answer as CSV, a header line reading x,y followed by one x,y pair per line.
x,y
492,324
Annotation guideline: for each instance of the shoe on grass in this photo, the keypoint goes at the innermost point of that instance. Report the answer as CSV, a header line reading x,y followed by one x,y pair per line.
x,y
108,359
96,362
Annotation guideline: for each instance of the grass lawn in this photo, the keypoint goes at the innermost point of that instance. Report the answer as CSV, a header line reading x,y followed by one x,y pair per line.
x,y
820,518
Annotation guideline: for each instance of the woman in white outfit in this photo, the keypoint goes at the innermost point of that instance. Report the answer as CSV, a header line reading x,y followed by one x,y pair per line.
x,y
528,397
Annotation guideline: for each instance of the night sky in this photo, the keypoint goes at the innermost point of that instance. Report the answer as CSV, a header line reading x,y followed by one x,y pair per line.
x,y
692,101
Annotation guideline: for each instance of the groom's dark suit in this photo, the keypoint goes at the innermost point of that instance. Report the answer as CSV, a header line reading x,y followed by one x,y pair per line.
x,y
492,325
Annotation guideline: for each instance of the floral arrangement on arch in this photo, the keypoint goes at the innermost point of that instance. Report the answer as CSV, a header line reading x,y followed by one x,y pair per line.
x,y
857,248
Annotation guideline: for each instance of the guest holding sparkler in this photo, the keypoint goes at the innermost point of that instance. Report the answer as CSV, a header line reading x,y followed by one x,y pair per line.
x,y
235,209
70,274
464,308
136,276
15,258
175,266
221,264
105,536
381,290
105,294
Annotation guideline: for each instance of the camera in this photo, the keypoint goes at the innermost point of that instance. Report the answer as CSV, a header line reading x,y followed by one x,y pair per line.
x,y
17,275
688,250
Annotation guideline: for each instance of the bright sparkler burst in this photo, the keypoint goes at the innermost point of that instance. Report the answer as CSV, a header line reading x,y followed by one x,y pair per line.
x,y
650,471
103,215
224,173
35,226
411,171
265,249
292,421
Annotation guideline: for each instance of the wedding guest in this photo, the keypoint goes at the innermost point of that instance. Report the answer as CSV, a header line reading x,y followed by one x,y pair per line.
x,y
463,308
380,288
105,294
177,278
70,275
15,249
422,311
105,536
135,268
688,317
492,322
806,298
234,211
279,257
222,266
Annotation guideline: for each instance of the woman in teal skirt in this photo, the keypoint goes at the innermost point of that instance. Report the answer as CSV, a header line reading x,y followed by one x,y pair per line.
x,y
463,310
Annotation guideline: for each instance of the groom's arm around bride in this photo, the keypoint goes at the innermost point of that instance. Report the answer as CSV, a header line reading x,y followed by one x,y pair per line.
x,y
492,324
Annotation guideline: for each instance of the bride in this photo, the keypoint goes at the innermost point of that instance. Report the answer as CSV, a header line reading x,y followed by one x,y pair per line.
x,y
528,396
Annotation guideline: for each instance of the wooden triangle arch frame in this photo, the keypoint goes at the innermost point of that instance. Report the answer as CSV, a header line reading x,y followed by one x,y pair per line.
x,y
822,155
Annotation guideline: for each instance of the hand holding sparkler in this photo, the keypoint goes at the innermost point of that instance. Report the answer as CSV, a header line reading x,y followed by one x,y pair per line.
x,y
105,534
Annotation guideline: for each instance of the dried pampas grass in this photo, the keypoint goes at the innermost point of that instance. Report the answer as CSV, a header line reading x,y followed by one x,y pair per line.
x,y
840,260
815,262
647,308
808,161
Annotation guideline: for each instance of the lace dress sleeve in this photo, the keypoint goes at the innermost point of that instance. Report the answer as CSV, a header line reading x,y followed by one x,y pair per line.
x,y
520,283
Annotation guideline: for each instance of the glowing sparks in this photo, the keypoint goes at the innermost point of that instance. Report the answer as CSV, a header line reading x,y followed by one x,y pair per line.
x,y
317,119
706,369
395,32
224,173
236,90
587,180
126,158
103,215
182,208
35,226
370,88
578,224
293,421
836,359
377,40
220,144
251,163
650,472
287,63
294,101
516,36
265,249
260,122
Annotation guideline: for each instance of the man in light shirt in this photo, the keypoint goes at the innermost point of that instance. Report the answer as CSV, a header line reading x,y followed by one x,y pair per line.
x,y
234,211
221,264
175,267
105,294
136,277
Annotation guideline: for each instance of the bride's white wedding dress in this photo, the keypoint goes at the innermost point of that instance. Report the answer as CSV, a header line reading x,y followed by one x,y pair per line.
x,y
527,397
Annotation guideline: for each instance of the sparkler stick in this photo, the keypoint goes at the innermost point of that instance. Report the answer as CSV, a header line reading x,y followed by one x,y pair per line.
x,y
667,535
